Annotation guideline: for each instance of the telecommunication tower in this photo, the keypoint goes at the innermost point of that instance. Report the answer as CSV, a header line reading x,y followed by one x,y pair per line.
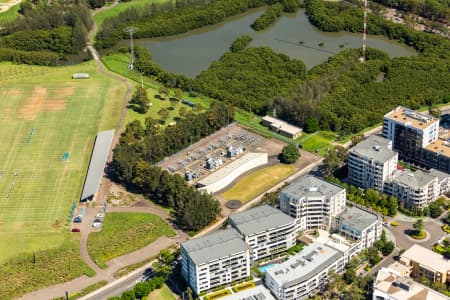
x,y
131,31
366,8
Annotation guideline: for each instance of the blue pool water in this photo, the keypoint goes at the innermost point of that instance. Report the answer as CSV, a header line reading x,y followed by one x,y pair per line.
x,y
266,267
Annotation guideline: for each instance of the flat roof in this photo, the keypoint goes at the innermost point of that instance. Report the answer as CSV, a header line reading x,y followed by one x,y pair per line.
x,y
440,175
439,146
409,117
376,148
357,218
309,185
333,240
97,164
282,125
404,288
227,169
312,260
260,219
213,246
427,258
260,292
416,179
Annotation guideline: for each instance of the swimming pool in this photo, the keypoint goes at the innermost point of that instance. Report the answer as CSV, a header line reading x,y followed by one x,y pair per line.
x,y
266,267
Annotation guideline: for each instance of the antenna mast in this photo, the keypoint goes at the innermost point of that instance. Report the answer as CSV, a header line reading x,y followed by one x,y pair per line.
x,y
366,8
131,31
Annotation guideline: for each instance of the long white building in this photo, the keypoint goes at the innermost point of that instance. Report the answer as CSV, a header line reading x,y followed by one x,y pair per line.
x,y
372,162
214,260
312,202
304,274
265,229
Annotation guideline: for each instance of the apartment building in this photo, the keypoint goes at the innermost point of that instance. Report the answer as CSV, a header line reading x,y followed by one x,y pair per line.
x,y
390,285
359,225
304,274
425,263
414,189
265,229
312,202
214,260
372,162
436,155
410,131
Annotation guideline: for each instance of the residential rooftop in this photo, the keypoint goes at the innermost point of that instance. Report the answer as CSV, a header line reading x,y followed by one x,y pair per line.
x,y
259,219
307,186
357,218
376,148
415,179
439,174
259,292
439,146
312,260
427,258
282,125
404,288
412,118
213,246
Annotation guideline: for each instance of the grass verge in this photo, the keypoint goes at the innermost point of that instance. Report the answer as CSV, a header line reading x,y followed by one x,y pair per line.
x,y
123,233
257,182
39,269
9,15
85,291
161,294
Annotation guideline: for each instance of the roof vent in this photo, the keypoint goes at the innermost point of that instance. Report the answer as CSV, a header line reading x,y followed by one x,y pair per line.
x,y
313,189
376,148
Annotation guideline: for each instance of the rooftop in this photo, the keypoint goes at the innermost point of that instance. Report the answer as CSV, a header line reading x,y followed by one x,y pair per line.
x,y
357,218
440,175
282,125
260,219
213,246
427,258
311,186
376,148
439,146
411,118
404,288
415,179
97,164
227,169
259,292
334,241
312,260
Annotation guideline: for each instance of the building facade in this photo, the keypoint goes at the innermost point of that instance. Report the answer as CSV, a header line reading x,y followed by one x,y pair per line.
x,y
436,155
214,260
312,202
410,131
372,162
265,229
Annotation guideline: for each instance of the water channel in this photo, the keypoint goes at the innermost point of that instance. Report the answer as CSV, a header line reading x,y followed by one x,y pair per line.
x,y
292,35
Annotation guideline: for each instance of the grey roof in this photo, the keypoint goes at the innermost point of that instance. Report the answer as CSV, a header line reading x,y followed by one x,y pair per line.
x,y
97,164
311,186
376,148
357,218
213,246
259,219
440,175
312,260
417,179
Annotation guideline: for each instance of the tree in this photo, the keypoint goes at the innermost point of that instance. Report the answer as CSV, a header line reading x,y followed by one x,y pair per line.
x,y
140,99
373,255
290,154
163,113
392,205
311,125
163,92
189,294
419,226
335,158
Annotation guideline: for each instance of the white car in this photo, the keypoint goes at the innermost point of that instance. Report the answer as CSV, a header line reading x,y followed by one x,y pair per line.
x,y
100,215
97,225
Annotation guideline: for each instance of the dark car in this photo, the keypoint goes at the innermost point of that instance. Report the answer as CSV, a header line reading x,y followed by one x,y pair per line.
x,y
77,220
75,229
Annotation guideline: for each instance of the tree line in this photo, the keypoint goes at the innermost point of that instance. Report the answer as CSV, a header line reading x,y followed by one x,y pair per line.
x,y
269,17
438,10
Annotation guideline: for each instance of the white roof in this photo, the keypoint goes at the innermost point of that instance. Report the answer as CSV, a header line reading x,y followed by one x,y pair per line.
x,y
427,258
282,125
259,292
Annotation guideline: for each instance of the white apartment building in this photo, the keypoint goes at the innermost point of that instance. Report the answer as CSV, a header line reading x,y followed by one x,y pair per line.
x,y
372,162
214,260
265,229
359,225
304,274
390,285
312,202
415,189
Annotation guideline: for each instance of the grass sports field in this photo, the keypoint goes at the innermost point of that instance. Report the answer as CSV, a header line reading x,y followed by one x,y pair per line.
x,y
44,113
257,182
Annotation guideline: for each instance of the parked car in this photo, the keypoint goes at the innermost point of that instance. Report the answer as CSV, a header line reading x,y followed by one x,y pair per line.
x,y
97,225
98,221
100,215
75,229
78,219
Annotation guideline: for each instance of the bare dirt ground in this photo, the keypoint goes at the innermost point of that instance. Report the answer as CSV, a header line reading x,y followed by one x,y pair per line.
x,y
40,102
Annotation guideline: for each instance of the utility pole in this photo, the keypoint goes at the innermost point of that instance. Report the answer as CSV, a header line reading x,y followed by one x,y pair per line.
x,y
366,8
131,31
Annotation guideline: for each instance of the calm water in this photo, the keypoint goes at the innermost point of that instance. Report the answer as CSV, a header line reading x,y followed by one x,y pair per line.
x,y
193,52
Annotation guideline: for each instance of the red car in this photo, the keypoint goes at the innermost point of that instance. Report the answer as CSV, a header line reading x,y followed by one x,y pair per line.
x,y
75,229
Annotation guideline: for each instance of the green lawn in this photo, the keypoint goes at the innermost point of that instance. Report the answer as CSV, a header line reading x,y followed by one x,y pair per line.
x,y
10,14
29,272
122,6
123,233
257,182
161,294
318,142
37,188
